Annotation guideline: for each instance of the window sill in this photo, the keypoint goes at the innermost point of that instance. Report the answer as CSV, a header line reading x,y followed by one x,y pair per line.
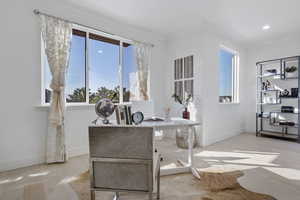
x,y
232,103
75,106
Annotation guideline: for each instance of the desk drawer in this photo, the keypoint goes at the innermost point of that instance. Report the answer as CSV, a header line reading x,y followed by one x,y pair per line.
x,y
122,175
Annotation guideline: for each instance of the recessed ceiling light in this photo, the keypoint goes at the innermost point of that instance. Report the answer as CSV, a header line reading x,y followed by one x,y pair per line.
x,y
266,27
100,51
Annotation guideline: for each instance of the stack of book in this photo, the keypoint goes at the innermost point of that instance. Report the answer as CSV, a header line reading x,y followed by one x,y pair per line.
x,y
123,114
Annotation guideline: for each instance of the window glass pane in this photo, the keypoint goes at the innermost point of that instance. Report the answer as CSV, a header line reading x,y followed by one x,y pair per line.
x,y
47,78
188,88
104,76
75,80
130,84
188,67
178,68
178,87
226,76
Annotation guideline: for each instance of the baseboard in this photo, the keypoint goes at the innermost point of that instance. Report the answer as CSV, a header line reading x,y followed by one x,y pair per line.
x,y
223,137
15,164
78,151
30,161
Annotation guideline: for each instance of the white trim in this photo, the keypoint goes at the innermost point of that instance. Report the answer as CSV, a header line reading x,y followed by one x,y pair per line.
x,y
235,76
87,68
121,71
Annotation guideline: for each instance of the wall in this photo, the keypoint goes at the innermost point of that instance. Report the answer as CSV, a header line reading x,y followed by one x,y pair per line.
x,y
218,121
23,124
277,48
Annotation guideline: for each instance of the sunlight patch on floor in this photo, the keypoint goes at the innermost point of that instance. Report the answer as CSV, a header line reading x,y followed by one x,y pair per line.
x,y
288,173
259,158
39,174
11,180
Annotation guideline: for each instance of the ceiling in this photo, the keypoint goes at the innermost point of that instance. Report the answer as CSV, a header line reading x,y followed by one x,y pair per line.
x,y
241,20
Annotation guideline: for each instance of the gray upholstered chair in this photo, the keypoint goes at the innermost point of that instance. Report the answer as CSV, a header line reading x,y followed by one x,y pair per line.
x,y
123,159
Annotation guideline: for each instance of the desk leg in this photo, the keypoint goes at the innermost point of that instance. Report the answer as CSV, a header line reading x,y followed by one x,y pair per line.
x,y
191,131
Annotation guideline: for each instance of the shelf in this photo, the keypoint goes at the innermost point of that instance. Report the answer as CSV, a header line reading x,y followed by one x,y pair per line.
x,y
290,78
288,97
284,126
269,75
279,134
269,90
268,103
275,72
284,112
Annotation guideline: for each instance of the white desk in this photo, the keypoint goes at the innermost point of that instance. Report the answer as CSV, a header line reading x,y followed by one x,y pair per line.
x,y
174,123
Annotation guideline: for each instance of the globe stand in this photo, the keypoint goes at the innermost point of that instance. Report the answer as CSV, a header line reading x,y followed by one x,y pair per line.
x,y
104,121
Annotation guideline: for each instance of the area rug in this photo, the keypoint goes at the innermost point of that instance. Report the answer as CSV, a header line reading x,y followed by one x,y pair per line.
x,y
224,186
217,186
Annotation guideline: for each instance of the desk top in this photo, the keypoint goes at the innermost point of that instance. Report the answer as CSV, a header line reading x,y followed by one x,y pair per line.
x,y
173,123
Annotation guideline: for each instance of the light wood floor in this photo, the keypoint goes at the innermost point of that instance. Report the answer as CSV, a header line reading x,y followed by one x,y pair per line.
x,y
271,166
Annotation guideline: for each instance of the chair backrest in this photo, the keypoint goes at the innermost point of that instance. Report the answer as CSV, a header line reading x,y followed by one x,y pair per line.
x,y
121,142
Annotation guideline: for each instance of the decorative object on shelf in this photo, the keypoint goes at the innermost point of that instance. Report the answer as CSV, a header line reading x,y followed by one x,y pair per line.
x,y
290,72
287,123
270,97
185,103
294,92
287,109
266,85
104,108
271,71
137,118
285,93
290,69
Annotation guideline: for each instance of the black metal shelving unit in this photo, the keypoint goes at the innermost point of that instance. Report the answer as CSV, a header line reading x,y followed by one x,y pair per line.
x,y
267,112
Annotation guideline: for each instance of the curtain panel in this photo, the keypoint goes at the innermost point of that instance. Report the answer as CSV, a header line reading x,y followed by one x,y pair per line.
x,y
142,55
56,35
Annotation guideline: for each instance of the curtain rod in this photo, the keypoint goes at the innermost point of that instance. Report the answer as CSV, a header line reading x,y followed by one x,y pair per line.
x,y
37,12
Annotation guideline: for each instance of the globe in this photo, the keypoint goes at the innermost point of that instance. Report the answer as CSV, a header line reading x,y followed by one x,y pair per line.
x,y
104,108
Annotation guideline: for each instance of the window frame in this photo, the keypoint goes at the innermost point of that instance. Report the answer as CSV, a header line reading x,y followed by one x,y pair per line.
x,y
183,79
235,75
88,31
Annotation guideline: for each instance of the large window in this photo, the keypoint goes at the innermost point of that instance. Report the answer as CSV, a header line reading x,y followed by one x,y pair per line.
x,y
100,67
228,77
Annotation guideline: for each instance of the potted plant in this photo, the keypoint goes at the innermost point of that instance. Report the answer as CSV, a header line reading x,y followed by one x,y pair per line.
x,y
184,103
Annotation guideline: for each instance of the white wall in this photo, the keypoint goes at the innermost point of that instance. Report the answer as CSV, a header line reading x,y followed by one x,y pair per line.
x,y
23,125
218,121
286,46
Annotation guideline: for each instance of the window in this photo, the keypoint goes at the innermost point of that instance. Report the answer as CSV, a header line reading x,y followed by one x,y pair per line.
x,y
228,76
184,77
98,64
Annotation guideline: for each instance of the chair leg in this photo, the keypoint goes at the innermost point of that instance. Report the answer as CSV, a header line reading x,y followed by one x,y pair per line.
x,y
150,195
93,195
158,183
117,195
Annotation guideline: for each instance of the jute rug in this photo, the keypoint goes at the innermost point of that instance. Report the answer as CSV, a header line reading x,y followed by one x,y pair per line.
x,y
224,186
217,186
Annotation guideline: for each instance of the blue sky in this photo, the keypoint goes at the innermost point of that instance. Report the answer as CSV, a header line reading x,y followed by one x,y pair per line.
x,y
225,67
104,61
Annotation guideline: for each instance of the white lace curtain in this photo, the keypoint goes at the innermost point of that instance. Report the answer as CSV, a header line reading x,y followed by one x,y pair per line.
x,y
142,54
57,35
